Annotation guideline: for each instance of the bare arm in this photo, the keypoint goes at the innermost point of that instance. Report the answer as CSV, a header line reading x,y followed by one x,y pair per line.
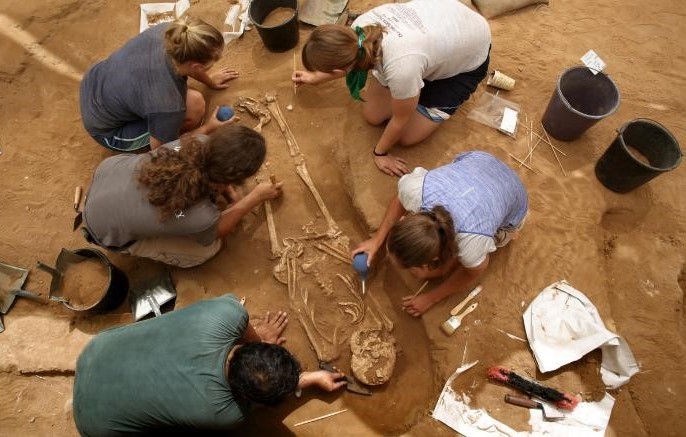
x,y
461,279
327,381
315,77
402,112
393,213
231,216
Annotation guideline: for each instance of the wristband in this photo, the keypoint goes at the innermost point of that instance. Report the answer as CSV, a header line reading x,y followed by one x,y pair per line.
x,y
379,154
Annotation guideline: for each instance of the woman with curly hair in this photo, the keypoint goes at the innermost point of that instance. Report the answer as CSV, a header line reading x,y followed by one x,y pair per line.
x,y
138,96
447,221
426,58
161,205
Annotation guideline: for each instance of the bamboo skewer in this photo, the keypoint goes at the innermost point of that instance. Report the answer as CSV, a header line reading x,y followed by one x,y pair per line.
x,y
295,85
522,162
553,149
544,140
321,417
416,293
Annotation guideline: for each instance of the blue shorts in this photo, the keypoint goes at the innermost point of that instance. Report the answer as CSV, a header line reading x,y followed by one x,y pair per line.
x,y
131,137
439,99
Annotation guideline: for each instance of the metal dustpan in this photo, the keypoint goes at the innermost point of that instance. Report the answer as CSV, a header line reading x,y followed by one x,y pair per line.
x,y
150,295
11,282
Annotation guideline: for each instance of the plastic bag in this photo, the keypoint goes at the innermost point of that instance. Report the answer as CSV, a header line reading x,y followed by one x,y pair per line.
x,y
497,113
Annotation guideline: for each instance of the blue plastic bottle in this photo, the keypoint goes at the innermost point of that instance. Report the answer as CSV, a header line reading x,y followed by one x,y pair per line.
x,y
225,113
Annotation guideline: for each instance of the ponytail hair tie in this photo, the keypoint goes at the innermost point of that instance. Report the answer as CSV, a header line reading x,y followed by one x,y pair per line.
x,y
360,39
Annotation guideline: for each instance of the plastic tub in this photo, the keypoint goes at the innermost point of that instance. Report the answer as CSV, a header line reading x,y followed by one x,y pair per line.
x,y
642,150
579,101
281,37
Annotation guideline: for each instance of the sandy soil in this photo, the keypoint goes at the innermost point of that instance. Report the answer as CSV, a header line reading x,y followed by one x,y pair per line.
x,y
625,252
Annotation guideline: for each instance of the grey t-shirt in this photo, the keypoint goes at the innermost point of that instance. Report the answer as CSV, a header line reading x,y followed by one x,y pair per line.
x,y
137,82
117,210
165,372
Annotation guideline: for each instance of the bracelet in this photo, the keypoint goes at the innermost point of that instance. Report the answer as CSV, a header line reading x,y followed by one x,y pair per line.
x,y
379,154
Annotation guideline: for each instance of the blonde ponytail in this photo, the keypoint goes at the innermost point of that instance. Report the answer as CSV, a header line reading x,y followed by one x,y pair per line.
x,y
190,39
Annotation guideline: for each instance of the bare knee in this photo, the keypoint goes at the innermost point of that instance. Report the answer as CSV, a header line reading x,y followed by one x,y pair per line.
x,y
374,118
407,141
195,108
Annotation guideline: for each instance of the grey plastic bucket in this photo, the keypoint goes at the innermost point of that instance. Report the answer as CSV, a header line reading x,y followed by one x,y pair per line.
x,y
622,169
579,101
281,37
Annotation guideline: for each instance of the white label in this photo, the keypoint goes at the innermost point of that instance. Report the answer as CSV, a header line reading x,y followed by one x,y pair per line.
x,y
593,62
509,122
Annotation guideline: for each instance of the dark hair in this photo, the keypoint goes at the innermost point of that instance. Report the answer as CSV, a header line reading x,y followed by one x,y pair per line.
x,y
423,238
334,46
263,373
177,180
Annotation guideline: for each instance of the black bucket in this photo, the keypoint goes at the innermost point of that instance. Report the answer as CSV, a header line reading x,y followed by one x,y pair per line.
x,y
579,101
642,150
118,285
281,37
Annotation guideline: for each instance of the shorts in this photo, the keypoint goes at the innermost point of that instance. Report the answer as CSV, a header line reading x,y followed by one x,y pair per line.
x,y
177,251
131,137
504,235
439,99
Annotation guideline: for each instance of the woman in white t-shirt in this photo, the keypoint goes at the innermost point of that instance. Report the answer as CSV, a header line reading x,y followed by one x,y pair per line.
x,y
426,56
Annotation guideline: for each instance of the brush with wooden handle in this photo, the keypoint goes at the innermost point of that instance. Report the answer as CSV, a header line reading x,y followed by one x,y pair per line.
x,y
472,294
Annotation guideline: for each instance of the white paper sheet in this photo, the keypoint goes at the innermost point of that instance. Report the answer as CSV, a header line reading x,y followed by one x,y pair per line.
x,y
562,325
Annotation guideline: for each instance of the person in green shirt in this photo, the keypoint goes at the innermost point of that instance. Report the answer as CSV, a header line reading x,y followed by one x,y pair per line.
x,y
197,368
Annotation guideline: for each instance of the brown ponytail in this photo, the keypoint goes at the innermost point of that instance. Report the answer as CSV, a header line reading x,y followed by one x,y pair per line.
x,y
335,47
178,180
192,40
424,238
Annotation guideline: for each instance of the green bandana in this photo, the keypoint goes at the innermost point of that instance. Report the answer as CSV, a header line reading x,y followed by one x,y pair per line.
x,y
356,79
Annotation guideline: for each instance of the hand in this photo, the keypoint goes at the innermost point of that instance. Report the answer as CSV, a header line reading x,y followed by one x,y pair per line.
x,y
270,328
327,381
370,246
213,123
267,190
221,79
300,77
391,165
416,306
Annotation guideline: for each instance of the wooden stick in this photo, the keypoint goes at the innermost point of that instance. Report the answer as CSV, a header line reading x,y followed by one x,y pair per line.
x,y
533,149
553,149
416,293
295,85
546,141
522,162
531,140
321,417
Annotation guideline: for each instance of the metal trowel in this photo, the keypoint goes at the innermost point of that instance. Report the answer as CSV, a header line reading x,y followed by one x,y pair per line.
x,y
550,414
352,384
77,201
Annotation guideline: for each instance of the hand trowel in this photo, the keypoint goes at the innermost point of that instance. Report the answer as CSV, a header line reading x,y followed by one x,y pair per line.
x,y
78,191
